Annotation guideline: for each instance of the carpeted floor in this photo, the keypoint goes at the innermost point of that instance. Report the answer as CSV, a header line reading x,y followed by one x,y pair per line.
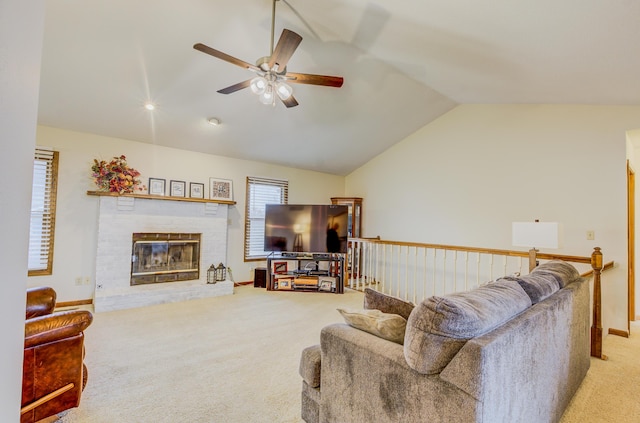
x,y
611,391
225,359
235,359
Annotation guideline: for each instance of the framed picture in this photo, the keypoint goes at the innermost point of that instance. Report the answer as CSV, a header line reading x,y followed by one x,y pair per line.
x,y
196,190
280,267
177,188
156,186
326,284
220,189
285,284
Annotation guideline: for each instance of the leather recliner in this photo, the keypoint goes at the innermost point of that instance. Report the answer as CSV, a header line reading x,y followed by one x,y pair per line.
x,y
54,374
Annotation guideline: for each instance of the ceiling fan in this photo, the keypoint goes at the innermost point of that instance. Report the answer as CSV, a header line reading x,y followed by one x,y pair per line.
x,y
272,78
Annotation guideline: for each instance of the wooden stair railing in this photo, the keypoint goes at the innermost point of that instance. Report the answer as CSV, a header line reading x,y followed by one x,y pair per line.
x,y
359,271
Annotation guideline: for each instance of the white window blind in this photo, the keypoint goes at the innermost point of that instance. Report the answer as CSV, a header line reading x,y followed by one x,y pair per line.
x,y
260,192
43,212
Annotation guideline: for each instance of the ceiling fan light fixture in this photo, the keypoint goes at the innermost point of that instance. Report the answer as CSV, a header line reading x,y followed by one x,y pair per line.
x,y
267,97
258,85
283,90
272,70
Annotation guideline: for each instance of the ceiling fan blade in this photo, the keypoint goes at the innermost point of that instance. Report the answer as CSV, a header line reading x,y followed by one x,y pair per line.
x,y
287,44
306,78
235,87
290,102
224,56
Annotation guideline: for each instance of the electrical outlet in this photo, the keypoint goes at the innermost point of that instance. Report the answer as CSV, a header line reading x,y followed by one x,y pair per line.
x,y
87,280
591,235
79,280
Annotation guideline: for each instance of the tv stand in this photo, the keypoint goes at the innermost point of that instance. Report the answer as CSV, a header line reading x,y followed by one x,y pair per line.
x,y
299,271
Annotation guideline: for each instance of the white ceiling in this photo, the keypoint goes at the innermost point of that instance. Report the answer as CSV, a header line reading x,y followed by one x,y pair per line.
x,y
404,63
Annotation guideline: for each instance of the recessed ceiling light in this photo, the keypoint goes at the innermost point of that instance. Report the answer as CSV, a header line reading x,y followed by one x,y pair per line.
x,y
149,105
214,121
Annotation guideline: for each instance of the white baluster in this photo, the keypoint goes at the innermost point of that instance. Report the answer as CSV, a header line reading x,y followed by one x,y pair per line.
x,y
466,270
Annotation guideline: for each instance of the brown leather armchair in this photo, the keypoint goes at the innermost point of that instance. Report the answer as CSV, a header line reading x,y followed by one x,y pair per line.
x,y
53,373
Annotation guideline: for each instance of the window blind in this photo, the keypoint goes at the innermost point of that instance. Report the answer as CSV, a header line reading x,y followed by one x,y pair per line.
x,y
43,212
260,192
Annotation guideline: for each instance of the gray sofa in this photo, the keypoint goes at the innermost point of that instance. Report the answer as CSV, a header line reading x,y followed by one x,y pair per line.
x,y
513,350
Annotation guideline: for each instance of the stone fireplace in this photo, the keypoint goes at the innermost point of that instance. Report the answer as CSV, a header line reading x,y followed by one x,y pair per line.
x,y
186,225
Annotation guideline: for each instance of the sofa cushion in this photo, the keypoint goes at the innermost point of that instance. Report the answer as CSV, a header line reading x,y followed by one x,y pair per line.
x,y
563,272
537,286
386,303
384,325
439,326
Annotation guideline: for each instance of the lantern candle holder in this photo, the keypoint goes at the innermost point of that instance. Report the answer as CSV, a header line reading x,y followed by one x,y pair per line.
x,y
211,274
221,273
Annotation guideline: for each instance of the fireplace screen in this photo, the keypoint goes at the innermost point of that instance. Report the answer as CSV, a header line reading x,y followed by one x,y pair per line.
x,y
165,257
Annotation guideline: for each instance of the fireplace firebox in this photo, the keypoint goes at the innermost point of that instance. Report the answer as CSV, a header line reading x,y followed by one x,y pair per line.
x,y
164,257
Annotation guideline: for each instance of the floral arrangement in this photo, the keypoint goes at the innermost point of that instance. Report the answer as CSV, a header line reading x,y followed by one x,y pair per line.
x,y
115,176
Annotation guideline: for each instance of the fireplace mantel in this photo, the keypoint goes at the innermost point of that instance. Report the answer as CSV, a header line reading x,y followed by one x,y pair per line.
x,y
160,197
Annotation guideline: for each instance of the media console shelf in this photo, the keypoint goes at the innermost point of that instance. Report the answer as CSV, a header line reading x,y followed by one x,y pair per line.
x,y
305,272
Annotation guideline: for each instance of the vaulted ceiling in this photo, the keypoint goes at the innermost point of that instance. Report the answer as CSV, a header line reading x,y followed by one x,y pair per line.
x,y
404,64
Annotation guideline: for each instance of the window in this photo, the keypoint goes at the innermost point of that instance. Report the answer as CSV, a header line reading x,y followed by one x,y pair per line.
x,y
43,212
260,191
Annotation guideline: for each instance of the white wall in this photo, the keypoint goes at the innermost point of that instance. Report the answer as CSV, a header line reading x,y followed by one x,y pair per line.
x,y
21,28
465,177
76,217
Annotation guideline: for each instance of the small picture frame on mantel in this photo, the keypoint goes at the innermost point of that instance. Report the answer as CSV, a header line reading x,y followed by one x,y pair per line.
x,y
196,190
157,186
220,189
177,188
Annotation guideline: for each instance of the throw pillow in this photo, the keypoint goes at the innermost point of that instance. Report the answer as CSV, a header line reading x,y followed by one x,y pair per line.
x,y
562,271
538,286
384,325
386,303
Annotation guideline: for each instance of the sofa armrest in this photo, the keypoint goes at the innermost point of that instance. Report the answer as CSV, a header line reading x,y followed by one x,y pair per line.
x,y
52,327
310,363
366,378
40,301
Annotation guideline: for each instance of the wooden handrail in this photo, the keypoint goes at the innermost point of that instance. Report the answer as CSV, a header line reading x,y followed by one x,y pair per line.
x,y
606,267
497,252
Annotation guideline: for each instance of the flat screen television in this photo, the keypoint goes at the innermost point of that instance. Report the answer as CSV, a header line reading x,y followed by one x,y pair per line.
x,y
306,228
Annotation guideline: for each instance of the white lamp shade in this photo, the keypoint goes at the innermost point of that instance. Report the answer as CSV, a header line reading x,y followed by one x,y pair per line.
x,y
284,91
536,234
267,96
258,85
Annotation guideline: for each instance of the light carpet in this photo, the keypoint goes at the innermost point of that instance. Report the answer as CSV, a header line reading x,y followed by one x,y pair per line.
x,y
610,393
224,359
235,359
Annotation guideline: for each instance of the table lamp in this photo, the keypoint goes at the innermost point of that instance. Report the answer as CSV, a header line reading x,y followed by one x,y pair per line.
x,y
535,235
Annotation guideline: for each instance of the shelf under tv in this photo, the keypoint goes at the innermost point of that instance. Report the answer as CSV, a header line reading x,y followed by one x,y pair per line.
x,y
284,272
